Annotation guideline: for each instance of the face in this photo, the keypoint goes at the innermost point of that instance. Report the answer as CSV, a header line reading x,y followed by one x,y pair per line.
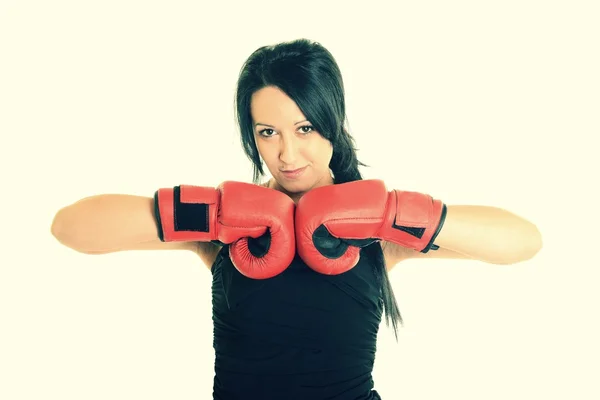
x,y
287,141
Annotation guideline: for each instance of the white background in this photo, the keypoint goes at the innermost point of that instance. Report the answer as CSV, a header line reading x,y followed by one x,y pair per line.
x,y
489,103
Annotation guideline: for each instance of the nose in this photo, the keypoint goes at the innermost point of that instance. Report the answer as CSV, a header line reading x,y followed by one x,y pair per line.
x,y
289,150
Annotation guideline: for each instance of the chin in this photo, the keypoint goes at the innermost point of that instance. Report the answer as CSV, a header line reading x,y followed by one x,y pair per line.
x,y
295,187
298,186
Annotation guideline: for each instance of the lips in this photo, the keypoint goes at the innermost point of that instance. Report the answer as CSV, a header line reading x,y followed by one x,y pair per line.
x,y
293,174
291,171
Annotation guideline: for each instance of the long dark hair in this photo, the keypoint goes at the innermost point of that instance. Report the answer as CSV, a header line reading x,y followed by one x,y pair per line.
x,y
308,73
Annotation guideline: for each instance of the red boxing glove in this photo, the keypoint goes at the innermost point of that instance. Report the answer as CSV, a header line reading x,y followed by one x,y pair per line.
x,y
333,222
257,222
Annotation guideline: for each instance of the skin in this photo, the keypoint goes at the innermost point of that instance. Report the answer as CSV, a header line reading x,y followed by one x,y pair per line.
x,y
287,141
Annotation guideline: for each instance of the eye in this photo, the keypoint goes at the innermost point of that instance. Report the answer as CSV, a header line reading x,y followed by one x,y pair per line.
x,y
262,133
308,126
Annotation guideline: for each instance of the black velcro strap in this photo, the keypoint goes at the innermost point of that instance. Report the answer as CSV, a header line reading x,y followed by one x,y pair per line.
x,y
161,236
411,230
189,216
430,245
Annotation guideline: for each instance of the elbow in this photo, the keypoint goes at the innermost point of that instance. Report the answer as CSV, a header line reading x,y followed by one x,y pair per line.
x,y
64,233
528,249
534,244
57,228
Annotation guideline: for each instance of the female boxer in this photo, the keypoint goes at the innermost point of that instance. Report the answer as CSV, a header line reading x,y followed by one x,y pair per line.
x,y
299,263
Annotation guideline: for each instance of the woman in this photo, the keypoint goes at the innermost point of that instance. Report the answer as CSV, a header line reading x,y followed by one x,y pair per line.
x,y
297,299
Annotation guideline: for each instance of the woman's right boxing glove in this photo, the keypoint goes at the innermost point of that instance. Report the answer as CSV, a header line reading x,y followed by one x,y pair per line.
x,y
257,223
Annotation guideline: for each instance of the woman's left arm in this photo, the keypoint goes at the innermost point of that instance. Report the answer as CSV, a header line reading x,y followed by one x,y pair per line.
x,y
488,234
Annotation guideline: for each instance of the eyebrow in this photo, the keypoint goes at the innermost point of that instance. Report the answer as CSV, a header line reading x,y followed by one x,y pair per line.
x,y
271,126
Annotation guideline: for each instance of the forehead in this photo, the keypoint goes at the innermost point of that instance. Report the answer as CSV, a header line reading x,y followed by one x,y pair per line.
x,y
272,104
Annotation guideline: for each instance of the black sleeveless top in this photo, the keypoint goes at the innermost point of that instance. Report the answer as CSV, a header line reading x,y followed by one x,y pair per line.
x,y
299,335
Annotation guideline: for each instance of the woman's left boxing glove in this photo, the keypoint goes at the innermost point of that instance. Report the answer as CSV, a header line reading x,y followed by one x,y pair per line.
x,y
257,223
334,222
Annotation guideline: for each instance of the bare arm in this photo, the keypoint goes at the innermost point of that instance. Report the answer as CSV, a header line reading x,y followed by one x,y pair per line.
x,y
109,223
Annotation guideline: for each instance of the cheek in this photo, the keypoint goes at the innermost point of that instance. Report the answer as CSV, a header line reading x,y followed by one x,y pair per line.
x,y
321,154
263,151
269,156
325,152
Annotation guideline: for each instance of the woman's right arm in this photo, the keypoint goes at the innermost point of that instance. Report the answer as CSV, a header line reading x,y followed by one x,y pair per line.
x,y
108,223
